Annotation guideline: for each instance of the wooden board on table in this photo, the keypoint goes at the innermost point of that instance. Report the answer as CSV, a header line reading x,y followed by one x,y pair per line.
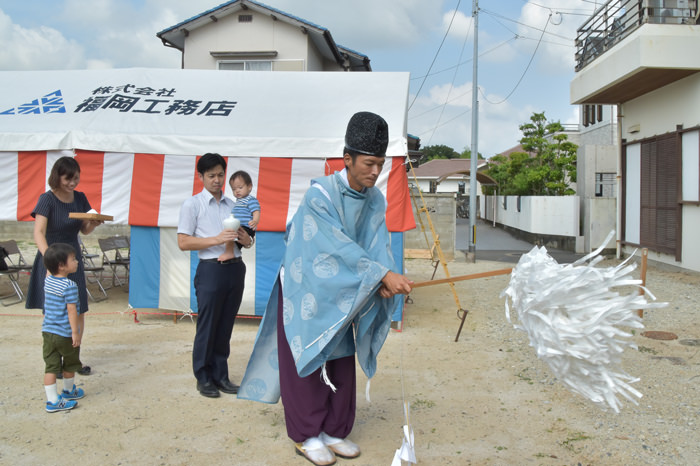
x,y
90,216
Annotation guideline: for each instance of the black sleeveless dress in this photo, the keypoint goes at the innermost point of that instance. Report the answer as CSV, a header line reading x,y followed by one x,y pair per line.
x,y
59,229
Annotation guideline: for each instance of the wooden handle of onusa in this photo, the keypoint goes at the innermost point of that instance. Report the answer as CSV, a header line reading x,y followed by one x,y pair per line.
x,y
460,278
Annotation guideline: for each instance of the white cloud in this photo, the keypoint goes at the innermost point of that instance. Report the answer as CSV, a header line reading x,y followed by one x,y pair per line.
x,y
560,19
39,48
123,34
573,117
499,120
395,34
461,24
118,33
451,124
99,64
457,96
504,51
365,25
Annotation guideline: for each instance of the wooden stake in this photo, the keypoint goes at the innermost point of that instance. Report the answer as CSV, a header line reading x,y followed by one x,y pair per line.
x,y
645,253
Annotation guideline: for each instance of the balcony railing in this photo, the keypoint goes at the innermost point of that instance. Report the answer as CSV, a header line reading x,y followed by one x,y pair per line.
x,y
617,19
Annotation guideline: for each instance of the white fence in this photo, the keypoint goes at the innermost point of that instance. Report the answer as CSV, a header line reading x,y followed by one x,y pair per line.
x,y
541,215
560,217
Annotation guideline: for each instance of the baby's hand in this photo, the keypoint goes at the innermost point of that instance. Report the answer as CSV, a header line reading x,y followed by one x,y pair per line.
x,y
252,224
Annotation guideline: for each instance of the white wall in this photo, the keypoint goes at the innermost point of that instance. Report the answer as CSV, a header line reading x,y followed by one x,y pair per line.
x,y
690,254
691,164
632,198
659,112
544,215
594,159
603,217
262,34
447,186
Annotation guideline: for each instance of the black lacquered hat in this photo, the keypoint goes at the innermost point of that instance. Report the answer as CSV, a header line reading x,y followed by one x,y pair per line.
x,y
368,134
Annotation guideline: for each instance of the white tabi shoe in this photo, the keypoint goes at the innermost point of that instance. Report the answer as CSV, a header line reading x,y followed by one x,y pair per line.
x,y
314,450
341,447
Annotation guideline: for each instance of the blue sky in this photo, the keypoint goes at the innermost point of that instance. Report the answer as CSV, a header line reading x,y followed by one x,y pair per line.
x,y
526,51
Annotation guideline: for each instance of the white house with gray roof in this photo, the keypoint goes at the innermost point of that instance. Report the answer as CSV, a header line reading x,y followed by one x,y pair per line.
x,y
246,35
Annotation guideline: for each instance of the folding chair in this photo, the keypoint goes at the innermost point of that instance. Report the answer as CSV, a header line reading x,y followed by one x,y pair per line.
x,y
93,271
115,254
15,265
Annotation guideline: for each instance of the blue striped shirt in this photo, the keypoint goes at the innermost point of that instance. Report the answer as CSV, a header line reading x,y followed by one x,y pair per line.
x,y
244,208
58,293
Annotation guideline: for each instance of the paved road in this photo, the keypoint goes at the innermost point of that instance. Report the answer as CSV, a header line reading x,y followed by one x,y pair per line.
x,y
496,244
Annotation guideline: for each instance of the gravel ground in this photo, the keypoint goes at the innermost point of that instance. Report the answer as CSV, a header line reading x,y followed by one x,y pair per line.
x,y
483,400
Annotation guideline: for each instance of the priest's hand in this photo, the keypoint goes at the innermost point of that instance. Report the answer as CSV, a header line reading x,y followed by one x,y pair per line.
x,y
394,283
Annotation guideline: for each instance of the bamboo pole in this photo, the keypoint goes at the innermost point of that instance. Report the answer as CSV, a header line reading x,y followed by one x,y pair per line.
x,y
460,278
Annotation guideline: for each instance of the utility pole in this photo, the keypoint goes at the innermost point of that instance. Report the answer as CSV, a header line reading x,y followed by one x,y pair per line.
x,y
475,135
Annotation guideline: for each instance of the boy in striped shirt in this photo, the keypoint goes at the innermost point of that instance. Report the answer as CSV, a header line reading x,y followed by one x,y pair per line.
x,y
60,330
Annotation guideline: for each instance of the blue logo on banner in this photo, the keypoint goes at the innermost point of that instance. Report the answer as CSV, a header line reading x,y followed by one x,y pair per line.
x,y
50,103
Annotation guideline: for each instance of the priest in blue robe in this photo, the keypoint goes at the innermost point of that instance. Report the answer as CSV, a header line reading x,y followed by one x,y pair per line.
x,y
333,299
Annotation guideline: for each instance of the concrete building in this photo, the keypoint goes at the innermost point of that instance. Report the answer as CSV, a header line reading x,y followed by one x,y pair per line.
x,y
245,35
640,56
596,170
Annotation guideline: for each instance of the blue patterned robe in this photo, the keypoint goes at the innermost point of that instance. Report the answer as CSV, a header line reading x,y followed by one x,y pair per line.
x,y
338,251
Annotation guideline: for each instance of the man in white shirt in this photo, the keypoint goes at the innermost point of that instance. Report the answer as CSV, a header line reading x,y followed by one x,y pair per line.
x,y
218,284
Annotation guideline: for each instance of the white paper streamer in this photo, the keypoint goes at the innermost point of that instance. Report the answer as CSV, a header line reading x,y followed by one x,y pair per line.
x,y
573,315
326,379
407,451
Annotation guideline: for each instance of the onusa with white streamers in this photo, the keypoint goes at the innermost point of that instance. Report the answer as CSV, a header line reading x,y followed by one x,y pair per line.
x,y
578,320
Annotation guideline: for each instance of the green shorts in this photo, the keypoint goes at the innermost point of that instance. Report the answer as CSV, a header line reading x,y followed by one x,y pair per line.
x,y
59,354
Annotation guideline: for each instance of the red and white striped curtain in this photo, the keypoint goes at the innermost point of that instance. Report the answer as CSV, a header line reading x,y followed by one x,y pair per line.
x,y
148,189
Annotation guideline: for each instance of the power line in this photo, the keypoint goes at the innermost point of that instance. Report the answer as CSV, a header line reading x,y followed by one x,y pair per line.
x,y
469,60
492,13
495,16
566,11
451,119
596,3
571,45
436,53
526,68
454,76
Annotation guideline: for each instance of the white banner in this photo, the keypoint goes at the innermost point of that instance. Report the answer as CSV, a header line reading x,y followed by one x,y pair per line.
x,y
185,112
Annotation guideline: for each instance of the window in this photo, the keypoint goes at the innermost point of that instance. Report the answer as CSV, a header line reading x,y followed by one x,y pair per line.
x,y
246,65
591,114
605,185
660,211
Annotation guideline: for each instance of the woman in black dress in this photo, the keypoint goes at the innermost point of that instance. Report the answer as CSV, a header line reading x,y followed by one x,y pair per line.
x,y
52,225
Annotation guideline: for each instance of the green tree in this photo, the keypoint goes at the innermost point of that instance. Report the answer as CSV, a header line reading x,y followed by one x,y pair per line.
x,y
440,151
467,154
546,167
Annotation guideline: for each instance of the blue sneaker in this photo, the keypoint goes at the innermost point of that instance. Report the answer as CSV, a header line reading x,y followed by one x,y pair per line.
x,y
75,394
60,405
